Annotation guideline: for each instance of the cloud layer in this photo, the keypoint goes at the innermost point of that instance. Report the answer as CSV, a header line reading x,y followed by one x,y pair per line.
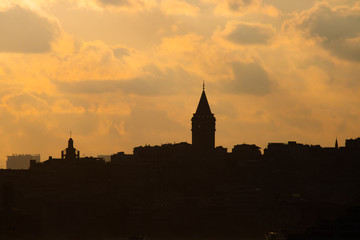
x,y
25,31
119,74
335,28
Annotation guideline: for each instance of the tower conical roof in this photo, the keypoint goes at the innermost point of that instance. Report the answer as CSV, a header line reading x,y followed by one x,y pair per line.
x,y
70,143
203,107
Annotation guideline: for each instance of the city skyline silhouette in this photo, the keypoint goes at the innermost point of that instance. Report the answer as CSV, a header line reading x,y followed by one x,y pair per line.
x,y
202,132
186,190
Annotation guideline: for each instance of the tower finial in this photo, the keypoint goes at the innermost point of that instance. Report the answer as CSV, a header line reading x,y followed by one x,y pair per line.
x,y
203,84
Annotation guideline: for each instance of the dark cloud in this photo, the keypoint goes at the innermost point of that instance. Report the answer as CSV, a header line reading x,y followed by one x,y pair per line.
x,y
156,82
24,31
237,5
336,29
249,78
348,49
250,34
114,2
120,52
332,24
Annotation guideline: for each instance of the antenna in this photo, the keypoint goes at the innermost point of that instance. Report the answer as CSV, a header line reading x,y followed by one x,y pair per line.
x,y
203,85
70,133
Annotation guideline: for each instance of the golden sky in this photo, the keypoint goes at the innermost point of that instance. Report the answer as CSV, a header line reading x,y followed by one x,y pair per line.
x,y
124,73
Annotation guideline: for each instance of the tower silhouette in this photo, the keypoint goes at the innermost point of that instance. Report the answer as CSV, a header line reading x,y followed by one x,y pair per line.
x,y
70,152
203,125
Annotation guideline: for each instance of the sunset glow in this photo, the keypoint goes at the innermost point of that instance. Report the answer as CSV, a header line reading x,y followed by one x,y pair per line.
x,y
125,73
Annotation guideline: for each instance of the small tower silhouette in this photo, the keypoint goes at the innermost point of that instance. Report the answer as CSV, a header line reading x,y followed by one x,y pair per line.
x,y
70,152
203,125
336,144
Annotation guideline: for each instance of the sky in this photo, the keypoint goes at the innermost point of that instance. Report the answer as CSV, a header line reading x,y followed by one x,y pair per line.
x,y
124,73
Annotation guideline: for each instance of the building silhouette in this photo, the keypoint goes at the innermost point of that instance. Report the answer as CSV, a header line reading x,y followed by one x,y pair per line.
x,y
21,161
203,126
70,159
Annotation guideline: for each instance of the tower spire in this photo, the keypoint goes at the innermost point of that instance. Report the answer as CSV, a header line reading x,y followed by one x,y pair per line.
x,y
203,85
203,106
336,144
